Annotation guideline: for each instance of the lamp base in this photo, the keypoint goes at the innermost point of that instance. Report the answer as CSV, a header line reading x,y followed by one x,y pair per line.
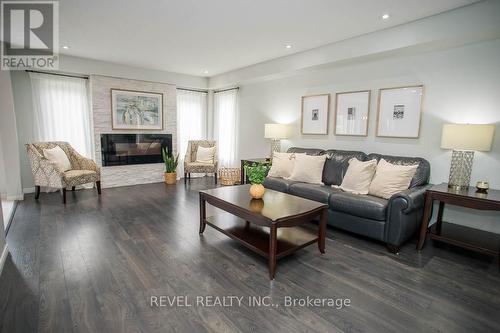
x,y
460,169
275,146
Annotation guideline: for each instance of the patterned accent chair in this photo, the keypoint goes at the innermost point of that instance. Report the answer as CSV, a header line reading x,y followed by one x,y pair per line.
x,y
190,164
47,174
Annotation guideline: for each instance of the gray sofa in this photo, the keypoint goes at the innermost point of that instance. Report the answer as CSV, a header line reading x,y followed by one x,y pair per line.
x,y
392,221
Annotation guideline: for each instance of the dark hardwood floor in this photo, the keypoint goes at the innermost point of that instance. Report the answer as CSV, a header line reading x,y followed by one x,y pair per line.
x,y
92,266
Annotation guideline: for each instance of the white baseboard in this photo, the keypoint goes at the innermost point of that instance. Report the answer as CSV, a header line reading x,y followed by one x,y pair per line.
x,y
5,252
28,190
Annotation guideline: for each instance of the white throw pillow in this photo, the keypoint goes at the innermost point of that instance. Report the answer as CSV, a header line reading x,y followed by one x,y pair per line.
x,y
358,176
308,169
390,179
57,156
205,154
282,165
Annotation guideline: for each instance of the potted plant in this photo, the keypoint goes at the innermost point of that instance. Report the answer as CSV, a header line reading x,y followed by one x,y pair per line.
x,y
256,173
170,166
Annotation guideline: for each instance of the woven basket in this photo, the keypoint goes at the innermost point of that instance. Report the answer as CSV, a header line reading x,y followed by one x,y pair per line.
x,y
229,176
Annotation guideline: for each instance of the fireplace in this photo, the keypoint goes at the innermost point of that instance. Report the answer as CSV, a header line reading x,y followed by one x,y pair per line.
x,y
125,149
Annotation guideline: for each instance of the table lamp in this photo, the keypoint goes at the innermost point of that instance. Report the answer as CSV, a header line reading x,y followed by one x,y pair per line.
x,y
464,139
275,132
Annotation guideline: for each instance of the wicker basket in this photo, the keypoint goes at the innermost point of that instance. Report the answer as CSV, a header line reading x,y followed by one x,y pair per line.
x,y
229,176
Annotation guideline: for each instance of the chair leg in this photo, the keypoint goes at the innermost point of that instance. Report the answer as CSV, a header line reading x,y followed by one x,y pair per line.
x,y
215,176
64,195
73,188
98,185
185,178
37,192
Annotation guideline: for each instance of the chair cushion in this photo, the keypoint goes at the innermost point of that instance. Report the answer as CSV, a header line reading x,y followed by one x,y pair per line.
x,y
197,167
57,156
314,192
205,155
78,177
366,206
278,184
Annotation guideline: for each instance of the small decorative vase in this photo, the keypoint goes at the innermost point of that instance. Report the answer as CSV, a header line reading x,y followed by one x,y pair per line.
x,y
257,191
170,178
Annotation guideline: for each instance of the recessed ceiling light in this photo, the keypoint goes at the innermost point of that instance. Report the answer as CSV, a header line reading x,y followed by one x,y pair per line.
x,y
65,47
205,71
288,46
385,16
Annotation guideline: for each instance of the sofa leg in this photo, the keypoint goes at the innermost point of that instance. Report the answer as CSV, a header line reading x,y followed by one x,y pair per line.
x,y
64,195
73,188
98,185
37,192
393,248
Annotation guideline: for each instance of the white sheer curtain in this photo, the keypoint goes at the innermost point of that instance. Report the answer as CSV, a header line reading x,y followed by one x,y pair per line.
x,y
225,126
62,112
191,121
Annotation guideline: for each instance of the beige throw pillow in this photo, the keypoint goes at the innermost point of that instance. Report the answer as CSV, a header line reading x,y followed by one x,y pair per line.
x,y
358,176
282,165
390,179
205,155
57,156
308,169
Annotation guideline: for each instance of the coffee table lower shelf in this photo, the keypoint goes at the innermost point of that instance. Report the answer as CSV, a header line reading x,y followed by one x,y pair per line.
x,y
256,238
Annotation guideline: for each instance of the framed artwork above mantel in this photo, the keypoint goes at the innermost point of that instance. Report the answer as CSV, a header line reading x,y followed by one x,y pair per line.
x,y
136,110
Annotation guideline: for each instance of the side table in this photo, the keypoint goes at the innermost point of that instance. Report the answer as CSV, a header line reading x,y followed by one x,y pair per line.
x,y
469,238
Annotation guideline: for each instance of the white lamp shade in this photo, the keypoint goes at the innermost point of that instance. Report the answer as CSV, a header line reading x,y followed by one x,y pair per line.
x,y
467,137
276,131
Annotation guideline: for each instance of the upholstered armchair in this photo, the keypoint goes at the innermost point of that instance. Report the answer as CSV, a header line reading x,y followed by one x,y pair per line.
x,y
47,174
190,164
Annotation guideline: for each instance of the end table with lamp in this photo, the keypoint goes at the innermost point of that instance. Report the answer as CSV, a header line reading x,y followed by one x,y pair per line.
x,y
464,140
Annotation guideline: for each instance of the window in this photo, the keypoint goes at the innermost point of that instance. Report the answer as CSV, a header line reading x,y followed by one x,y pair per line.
x,y
225,126
62,112
191,120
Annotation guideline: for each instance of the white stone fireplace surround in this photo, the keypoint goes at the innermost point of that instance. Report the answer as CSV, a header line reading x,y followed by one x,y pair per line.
x,y
100,90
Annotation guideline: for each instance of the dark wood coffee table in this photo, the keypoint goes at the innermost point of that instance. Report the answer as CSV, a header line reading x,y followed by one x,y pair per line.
x,y
272,226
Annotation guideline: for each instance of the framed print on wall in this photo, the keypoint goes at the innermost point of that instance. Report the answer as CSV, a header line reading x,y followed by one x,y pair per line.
x,y
137,110
351,113
315,109
399,111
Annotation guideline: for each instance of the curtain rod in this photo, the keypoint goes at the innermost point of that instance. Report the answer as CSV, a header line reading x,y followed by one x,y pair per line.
x,y
222,90
194,90
58,74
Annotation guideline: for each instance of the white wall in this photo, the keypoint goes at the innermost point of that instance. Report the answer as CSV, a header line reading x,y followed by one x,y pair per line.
x,y
10,183
21,87
461,86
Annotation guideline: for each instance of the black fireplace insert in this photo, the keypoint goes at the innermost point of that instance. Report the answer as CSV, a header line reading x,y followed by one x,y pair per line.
x,y
124,149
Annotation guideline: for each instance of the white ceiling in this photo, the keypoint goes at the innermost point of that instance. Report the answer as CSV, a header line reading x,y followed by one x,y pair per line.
x,y
191,36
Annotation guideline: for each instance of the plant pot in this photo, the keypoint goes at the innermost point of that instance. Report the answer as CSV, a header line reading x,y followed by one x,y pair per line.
x,y
257,191
170,178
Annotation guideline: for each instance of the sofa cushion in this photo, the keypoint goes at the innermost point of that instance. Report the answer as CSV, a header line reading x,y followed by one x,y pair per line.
x,y
366,206
337,163
421,176
308,169
308,151
314,192
278,184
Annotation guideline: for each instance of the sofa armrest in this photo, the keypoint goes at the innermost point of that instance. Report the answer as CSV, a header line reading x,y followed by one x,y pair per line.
x,y
404,214
411,199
